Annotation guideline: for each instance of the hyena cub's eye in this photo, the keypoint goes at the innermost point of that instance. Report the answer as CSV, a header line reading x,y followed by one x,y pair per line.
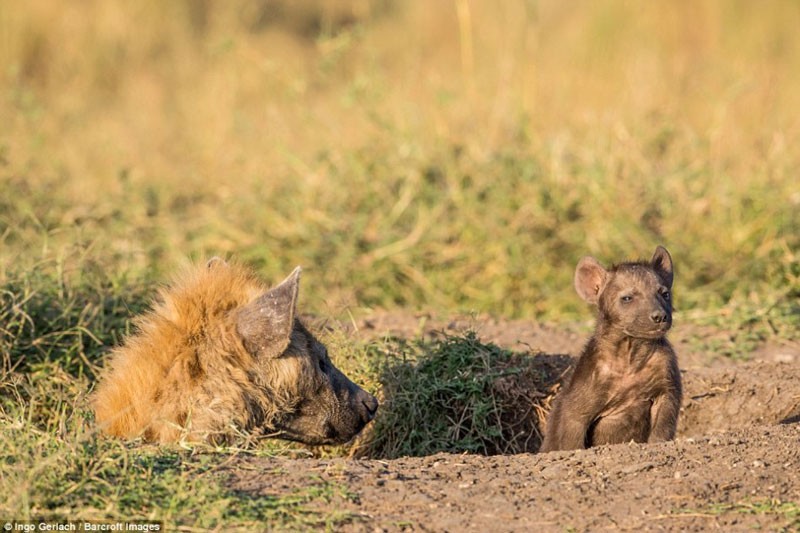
x,y
665,294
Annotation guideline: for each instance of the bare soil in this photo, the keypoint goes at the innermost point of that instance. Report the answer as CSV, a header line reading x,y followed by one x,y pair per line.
x,y
735,465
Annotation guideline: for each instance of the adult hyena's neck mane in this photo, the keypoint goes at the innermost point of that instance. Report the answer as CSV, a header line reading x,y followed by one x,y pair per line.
x,y
201,298
189,335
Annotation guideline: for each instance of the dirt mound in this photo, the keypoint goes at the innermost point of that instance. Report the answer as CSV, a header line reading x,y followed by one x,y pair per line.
x,y
748,394
735,465
737,482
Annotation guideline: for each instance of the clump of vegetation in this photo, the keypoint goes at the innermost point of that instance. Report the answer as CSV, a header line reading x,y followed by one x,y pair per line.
x,y
460,395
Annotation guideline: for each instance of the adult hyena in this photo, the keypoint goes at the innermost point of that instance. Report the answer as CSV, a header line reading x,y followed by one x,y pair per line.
x,y
221,353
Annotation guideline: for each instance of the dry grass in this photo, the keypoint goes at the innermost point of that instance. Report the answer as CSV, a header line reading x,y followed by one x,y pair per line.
x,y
457,156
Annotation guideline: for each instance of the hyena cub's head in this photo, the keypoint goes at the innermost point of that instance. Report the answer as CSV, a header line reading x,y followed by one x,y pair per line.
x,y
316,403
633,298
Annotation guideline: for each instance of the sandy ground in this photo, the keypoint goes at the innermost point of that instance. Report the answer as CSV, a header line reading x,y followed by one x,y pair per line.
x,y
735,465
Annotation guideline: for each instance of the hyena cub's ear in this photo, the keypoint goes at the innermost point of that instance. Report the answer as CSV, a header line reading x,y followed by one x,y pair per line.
x,y
662,263
266,323
590,279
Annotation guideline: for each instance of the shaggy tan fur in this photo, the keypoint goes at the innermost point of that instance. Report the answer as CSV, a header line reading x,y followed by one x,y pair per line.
x,y
186,373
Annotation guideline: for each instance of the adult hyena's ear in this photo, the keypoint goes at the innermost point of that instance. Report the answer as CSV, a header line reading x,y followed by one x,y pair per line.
x,y
590,279
662,263
215,262
265,324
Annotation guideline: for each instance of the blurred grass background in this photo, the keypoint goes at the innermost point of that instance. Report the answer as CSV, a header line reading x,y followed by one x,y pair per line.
x,y
454,156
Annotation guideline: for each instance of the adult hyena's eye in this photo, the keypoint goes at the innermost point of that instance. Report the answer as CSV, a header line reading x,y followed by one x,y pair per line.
x,y
626,299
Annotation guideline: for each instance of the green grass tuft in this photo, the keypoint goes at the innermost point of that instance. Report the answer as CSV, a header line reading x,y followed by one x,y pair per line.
x,y
460,395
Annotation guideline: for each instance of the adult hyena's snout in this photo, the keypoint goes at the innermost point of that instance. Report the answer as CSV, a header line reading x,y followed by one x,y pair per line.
x,y
339,433
370,403
364,405
346,412
328,408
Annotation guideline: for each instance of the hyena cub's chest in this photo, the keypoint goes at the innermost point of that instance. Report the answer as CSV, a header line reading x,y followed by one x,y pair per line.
x,y
631,386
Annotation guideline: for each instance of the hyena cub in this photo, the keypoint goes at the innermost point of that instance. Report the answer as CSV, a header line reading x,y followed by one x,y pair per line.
x,y
626,385
220,354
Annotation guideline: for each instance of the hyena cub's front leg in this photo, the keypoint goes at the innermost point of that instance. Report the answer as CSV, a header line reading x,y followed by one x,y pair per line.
x,y
664,416
574,411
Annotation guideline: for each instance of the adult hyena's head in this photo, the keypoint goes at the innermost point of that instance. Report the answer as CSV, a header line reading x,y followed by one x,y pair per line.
x,y
633,298
309,399
220,353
